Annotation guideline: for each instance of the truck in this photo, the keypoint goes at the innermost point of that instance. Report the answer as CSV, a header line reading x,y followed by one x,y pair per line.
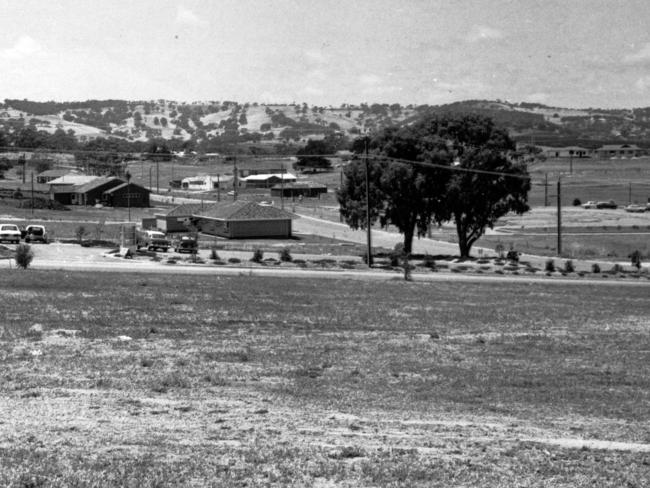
x,y
186,244
152,240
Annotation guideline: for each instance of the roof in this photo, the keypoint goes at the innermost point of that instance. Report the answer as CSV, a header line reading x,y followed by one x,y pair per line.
x,y
614,147
63,189
184,210
241,210
298,185
97,182
70,179
124,185
280,176
59,172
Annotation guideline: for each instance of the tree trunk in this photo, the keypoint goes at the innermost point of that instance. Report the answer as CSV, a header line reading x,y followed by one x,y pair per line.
x,y
464,246
408,239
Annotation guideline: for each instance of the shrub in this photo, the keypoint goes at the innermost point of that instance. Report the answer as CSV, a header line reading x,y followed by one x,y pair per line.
x,y
617,268
513,256
569,267
234,260
23,256
595,268
499,249
397,254
214,255
576,202
285,255
79,233
549,266
258,256
635,258
429,262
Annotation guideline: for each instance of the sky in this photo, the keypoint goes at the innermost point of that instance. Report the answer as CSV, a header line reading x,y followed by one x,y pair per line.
x,y
566,53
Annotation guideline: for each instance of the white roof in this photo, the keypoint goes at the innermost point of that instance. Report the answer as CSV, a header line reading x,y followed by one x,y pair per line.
x,y
281,176
72,180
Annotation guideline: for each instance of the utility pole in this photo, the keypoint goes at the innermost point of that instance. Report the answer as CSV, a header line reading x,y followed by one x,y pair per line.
x,y
235,179
546,189
150,179
368,231
571,162
559,217
629,193
128,193
282,187
32,193
218,188
23,161
157,177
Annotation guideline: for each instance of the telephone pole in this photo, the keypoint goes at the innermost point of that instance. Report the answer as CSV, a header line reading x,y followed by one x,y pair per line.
x,y
368,230
559,217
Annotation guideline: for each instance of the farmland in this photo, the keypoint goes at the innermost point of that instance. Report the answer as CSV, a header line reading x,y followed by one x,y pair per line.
x,y
147,380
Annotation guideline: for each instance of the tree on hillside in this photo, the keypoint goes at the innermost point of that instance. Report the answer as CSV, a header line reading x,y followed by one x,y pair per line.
x,y
312,156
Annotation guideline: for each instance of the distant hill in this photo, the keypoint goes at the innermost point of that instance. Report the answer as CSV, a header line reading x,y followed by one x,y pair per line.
x,y
230,121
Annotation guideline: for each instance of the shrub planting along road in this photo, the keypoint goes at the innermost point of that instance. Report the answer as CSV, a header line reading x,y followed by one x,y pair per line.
x,y
176,380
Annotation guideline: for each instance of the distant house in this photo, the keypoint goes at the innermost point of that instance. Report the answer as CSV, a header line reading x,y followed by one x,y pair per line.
x,y
205,182
72,179
174,220
267,180
619,151
81,190
126,195
567,152
52,174
242,219
293,190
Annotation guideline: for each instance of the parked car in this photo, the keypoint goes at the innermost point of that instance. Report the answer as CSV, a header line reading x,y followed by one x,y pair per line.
x,y
186,244
151,240
607,204
35,233
590,204
9,232
635,208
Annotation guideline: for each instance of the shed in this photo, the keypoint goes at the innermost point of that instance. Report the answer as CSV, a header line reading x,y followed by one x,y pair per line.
x,y
93,192
292,190
240,219
127,195
267,180
619,151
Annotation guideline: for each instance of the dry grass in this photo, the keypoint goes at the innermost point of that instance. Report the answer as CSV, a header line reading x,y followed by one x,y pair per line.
x,y
215,381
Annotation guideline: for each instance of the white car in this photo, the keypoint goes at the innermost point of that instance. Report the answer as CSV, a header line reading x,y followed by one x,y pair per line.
x,y
590,204
9,232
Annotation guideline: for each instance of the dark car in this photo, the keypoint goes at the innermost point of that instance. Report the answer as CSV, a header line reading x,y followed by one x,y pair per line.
x,y
607,204
186,244
35,233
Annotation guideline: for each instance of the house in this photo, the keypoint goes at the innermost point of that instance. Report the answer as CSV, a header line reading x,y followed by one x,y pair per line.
x,y
52,174
72,179
293,190
267,180
126,195
174,220
567,152
609,151
240,219
205,182
93,192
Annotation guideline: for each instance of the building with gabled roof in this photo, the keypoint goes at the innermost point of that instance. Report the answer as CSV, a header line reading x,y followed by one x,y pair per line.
x,y
52,174
619,151
241,219
126,195
174,220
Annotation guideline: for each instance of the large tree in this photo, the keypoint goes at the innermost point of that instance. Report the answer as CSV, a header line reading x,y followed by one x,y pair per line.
x,y
489,181
403,193
436,169
312,156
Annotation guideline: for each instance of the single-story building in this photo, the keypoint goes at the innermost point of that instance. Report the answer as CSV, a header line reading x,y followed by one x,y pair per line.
x,y
267,180
609,151
240,219
174,220
293,190
82,190
126,195
72,179
567,152
205,182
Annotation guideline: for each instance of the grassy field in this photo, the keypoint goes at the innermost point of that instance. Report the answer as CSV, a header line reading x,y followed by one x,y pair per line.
x,y
134,380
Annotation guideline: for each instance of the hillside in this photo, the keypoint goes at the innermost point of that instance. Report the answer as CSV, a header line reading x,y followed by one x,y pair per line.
x,y
230,122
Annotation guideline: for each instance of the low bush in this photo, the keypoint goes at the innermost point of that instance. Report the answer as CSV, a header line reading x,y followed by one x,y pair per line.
x,y
258,256
285,255
429,262
549,266
214,255
569,267
595,268
234,260
24,256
